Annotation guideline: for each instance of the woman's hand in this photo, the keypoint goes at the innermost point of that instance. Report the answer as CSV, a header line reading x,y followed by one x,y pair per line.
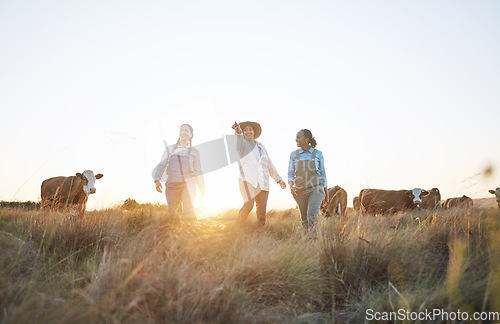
x,y
326,199
158,185
282,184
237,128
292,188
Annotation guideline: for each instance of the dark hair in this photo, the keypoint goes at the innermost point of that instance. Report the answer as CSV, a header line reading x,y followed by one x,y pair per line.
x,y
308,134
192,134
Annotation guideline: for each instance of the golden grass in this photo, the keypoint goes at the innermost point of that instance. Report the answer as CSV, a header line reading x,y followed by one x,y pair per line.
x,y
132,266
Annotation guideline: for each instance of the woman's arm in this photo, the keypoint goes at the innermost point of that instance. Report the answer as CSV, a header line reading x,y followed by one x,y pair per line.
x,y
322,171
272,170
197,170
239,139
291,173
160,168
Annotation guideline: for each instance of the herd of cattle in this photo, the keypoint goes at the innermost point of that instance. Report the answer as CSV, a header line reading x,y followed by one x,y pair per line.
x,y
378,201
72,192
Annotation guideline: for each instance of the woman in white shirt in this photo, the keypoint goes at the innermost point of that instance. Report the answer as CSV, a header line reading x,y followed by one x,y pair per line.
x,y
182,165
255,167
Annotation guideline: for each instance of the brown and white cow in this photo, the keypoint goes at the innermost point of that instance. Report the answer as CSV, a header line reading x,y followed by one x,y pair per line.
x,y
496,192
337,204
432,200
378,201
459,202
69,192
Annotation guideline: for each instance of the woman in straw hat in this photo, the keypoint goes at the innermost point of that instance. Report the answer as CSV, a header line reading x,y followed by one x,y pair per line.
x,y
255,168
181,163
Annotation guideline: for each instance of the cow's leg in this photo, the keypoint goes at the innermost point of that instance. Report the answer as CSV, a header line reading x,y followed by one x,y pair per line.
x,y
363,209
82,211
46,203
76,210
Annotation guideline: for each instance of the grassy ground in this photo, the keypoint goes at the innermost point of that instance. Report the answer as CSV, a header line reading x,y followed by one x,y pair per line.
x,y
134,266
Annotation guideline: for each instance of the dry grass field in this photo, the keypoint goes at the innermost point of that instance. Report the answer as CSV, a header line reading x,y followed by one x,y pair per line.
x,y
134,266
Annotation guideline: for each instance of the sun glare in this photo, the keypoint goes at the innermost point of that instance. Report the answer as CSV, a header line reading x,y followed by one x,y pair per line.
x,y
206,208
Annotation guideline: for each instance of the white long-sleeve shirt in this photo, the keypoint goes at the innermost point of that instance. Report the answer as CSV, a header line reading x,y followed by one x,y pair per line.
x,y
255,164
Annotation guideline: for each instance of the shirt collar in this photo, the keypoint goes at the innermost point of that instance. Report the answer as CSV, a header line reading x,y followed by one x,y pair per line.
x,y
174,147
311,149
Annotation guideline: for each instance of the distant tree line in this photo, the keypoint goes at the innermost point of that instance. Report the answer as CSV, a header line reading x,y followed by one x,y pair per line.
x,y
131,204
26,205
127,204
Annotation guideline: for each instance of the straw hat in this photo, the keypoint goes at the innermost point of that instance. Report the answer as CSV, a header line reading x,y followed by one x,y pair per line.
x,y
256,127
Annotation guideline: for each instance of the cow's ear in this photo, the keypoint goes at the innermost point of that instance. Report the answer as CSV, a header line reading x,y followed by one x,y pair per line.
x,y
79,175
425,193
491,191
408,192
99,176
435,189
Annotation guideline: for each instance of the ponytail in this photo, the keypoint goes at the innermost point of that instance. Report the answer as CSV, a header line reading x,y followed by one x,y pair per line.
x,y
308,134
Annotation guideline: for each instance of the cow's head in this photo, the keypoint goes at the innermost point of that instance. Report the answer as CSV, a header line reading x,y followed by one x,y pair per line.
x,y
356,204
89,179
416,195
496,192
466,201
435,195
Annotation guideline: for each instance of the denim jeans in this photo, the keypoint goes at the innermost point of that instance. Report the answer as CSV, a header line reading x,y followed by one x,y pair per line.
x,y
180,197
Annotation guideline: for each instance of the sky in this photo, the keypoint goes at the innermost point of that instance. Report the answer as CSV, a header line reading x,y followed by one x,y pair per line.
x,y
398,94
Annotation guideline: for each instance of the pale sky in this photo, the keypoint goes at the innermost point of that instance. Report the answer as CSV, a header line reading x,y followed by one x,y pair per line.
x,y
399,94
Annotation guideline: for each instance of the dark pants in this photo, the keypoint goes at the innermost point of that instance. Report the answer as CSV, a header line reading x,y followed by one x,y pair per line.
x,y
260,200
179,201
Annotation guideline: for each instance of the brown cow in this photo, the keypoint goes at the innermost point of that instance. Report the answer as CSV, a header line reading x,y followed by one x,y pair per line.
x,y
337,203
463,202
356,204
378,201
69,192
432,200
496,192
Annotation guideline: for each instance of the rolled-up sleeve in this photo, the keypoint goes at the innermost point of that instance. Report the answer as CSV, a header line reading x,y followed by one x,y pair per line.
x,y
271,168
291,167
